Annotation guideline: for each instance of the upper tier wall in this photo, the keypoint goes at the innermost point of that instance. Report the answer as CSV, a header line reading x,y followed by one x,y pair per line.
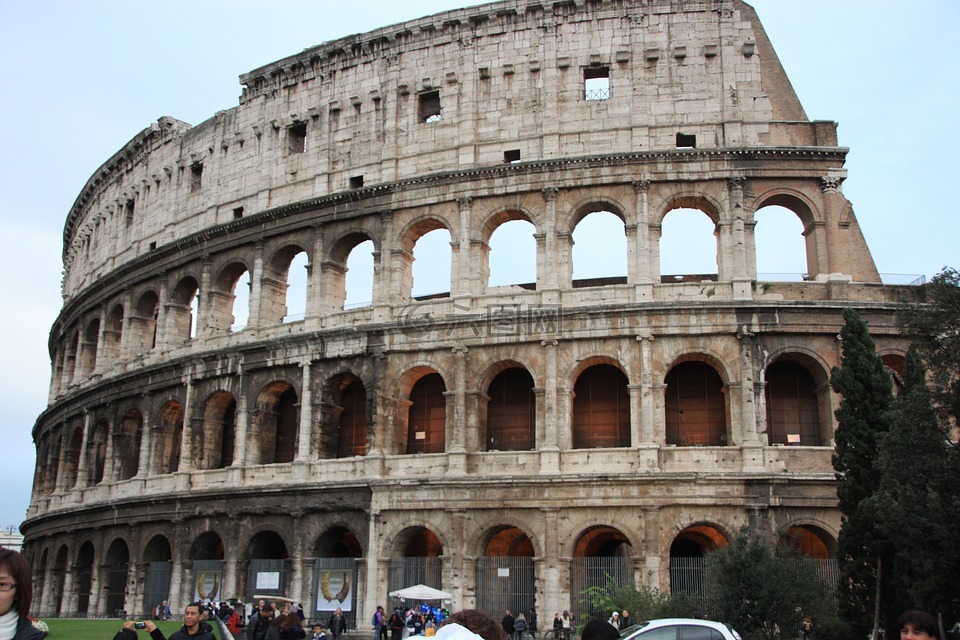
x,y
506,77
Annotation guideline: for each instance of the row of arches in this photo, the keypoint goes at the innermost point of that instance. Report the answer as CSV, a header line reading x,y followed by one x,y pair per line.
x,y
349,419
80,577
259,286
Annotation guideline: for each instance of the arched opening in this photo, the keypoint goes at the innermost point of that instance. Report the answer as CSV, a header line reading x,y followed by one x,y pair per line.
x,y
415,560
295,297
352,432
511,411
182,310
72,457
688,246
158,557
144,322
97,451
268,573
601,408
166,437
513,255
426,416
84,580
810,541
207,554
336,571
599,250
116,568
60,576
793,413
431,265
688,560
359,276
896,366
694,406
277,423
241,302
113,336
338,542
88,350
780,245
602,555
214,448
126,444
506,580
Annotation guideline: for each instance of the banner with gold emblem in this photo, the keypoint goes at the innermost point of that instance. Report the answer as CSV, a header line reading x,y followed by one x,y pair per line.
x,y
335,589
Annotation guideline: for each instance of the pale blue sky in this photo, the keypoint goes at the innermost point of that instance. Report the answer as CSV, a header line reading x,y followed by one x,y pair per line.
x,y
82,78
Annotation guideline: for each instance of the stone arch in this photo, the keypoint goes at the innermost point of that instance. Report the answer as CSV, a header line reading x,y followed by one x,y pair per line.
x,y
797,399
811,221
503,232
338,541
229,308
598,245
416,540
600,554
810,540
182,310
339,287
600,411
158,549
71,458
688,550
676,238
88,348
97,451
441,259
416,552
895,362
426,415
344,419
113,334
214,447
167,435
114,575
158,558
126,444
696,411
277,281
276,423
506,576
60,575
144,322
509,415
207,546
84,565
507,539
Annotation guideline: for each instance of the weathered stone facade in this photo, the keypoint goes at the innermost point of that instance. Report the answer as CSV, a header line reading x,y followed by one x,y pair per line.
x,y
529,431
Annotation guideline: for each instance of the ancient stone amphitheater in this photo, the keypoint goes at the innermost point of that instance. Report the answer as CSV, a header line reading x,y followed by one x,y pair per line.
x,y
510,443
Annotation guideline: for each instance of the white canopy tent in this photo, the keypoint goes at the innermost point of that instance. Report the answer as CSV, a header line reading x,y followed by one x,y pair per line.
x,y
420,592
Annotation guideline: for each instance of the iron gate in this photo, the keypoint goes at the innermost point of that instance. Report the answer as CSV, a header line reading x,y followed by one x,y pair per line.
x,y
595,571
505,583
158,586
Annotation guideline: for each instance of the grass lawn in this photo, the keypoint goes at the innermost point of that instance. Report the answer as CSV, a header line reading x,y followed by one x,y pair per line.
x,y
102,629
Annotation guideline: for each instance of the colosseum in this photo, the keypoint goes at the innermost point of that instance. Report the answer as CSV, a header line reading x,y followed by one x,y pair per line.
x,y
230,414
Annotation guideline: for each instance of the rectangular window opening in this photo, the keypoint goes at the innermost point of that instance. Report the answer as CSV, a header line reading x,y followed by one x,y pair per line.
x,y
513,155
196,176
356,182
297,138
686,141
128,210
153,245
238,213
429,106
596,83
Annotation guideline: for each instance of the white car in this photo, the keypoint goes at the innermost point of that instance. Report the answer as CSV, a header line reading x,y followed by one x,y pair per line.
x,y
680,629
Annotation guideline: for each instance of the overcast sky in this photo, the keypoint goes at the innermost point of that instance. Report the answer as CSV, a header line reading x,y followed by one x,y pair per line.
x,y
82,78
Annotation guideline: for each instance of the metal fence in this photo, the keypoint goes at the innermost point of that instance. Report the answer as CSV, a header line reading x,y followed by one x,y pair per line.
x,y
406,572
505,583
595,571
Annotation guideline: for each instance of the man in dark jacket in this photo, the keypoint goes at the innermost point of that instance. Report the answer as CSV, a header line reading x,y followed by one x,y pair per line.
x,y
194,628
507,624
260,622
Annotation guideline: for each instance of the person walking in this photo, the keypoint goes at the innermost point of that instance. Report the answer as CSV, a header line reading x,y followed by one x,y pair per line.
x,y
337,624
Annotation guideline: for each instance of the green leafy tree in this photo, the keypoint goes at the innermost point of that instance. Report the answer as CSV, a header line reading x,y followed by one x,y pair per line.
x,y
918,502
646,603
935,326
762,592
862,419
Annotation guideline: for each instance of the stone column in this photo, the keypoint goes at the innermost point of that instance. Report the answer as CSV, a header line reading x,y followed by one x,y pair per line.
x,y
550,447
548,266
240,452
83,479
635,392
382,269
465,272
644,271
186,436
255,310
548,589
376,591
739,270
456,428
205,320
161,335
647,401
126,342
314,283
146,440
651,550
230,561
99,358
297,579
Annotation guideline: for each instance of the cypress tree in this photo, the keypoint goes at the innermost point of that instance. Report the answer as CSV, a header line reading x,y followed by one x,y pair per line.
x,y
862,419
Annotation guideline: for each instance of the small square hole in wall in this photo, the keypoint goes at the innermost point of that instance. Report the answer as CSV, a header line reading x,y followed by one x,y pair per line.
x,y
153,245
596,83
686,141
513,155
356,182
429,106
238,213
